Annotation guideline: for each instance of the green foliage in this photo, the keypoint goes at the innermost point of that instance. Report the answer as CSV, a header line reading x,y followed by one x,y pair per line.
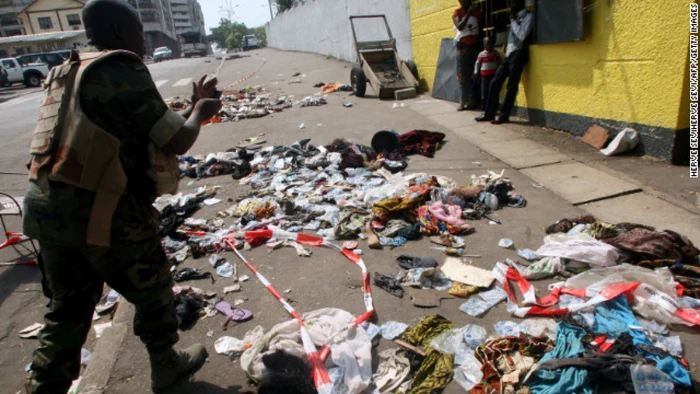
x,y
284,5
260,35
222,34
230,34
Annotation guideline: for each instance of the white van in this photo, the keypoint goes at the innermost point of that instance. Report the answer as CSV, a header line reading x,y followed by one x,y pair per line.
x,y
249,42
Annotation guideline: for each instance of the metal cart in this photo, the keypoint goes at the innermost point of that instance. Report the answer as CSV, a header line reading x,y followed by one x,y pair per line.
x,y
381,66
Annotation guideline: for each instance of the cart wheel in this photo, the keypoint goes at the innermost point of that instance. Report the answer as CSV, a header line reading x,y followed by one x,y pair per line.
x,y
414,69
358,81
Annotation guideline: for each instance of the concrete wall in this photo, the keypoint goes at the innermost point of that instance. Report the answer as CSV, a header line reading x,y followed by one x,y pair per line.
x,y
323,27
625,71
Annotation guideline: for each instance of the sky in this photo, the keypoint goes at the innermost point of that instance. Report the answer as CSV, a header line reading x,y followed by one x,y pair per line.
x,y
251,12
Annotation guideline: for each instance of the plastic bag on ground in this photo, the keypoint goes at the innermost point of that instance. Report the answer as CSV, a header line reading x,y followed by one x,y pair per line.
x,y
543,268
392,329
539,327
595,253
507,328
229,346
469,373
625,141
474,335
447,342
599,278
85,356
649,380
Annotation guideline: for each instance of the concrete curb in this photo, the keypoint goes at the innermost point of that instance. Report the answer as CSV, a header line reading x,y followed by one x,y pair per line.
x,y
104,357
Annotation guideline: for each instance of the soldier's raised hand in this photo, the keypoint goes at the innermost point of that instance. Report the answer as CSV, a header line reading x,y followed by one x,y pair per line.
x,y
204,90
207,107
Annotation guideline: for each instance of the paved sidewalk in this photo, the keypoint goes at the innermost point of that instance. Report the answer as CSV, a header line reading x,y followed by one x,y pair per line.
x,y
556,182
604,191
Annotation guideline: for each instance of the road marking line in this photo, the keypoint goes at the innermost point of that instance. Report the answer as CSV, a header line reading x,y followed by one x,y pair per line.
x,y
161,82
182,82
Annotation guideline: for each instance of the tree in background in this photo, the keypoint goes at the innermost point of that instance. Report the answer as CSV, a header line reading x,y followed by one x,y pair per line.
x,y
230,34
260,35
234,40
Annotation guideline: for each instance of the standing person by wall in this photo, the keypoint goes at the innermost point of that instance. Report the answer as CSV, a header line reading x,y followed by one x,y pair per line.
x,y
517,56
466,20
485,68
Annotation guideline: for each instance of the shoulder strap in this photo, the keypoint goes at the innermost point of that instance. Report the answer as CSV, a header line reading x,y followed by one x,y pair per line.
x,y
89,59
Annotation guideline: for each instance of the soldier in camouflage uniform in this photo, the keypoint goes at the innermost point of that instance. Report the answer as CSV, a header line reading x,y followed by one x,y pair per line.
x,y
119,96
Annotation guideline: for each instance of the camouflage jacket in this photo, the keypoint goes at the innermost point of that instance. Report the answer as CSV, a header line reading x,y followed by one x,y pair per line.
x,y
120,97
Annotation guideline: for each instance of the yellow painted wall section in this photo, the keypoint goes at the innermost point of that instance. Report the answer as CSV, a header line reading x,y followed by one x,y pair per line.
x,y
630,67
431,21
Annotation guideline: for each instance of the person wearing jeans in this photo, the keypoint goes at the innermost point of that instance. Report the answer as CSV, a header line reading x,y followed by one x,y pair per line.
x,y
466,24
517,56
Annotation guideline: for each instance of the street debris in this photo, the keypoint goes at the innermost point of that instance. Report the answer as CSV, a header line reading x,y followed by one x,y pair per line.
x,y
622,286
31,331
457,271
625,141
107,302
596,136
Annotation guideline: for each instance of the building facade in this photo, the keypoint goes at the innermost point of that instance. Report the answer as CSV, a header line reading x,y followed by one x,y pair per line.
x,y
158,24
42,42
48,16
10,23
188,17
619,73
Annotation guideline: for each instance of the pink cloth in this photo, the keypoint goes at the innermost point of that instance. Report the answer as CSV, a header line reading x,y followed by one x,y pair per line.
x,y
450,214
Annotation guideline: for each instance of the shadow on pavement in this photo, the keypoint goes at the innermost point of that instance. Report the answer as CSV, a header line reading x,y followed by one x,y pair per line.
x,y
16,277
206,388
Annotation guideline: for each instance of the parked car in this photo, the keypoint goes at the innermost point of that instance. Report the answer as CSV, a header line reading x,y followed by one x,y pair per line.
x,y
249,42
51,59
31,74
162,53
64,54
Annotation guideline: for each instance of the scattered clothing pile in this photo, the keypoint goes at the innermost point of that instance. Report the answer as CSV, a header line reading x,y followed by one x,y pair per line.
x,y
625,283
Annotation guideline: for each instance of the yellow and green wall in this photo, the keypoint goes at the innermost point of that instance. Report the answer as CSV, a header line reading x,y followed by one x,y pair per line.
x,y
631,70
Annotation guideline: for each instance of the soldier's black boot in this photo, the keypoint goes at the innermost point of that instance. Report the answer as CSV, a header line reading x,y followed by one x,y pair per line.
x,y
170,365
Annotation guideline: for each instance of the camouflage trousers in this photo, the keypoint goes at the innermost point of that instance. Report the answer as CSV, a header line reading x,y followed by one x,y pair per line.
x,y
73,280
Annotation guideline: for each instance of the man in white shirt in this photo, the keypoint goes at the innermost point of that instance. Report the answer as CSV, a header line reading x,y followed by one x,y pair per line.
x,y
517,56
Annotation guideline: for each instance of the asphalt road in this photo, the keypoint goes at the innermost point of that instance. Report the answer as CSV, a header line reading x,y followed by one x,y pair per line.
x,y
18,115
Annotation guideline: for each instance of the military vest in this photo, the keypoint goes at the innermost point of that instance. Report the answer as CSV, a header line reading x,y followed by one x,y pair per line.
x,y
69,148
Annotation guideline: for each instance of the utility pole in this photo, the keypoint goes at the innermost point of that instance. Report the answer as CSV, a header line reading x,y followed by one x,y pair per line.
x,y
269,2
227,9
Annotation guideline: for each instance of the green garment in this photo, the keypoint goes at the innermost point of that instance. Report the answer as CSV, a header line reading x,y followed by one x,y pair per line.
x,y
435,372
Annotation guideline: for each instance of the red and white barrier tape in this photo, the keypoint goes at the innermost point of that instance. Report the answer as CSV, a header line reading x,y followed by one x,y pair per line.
x,y
258,237
246,77
321,379
538,306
